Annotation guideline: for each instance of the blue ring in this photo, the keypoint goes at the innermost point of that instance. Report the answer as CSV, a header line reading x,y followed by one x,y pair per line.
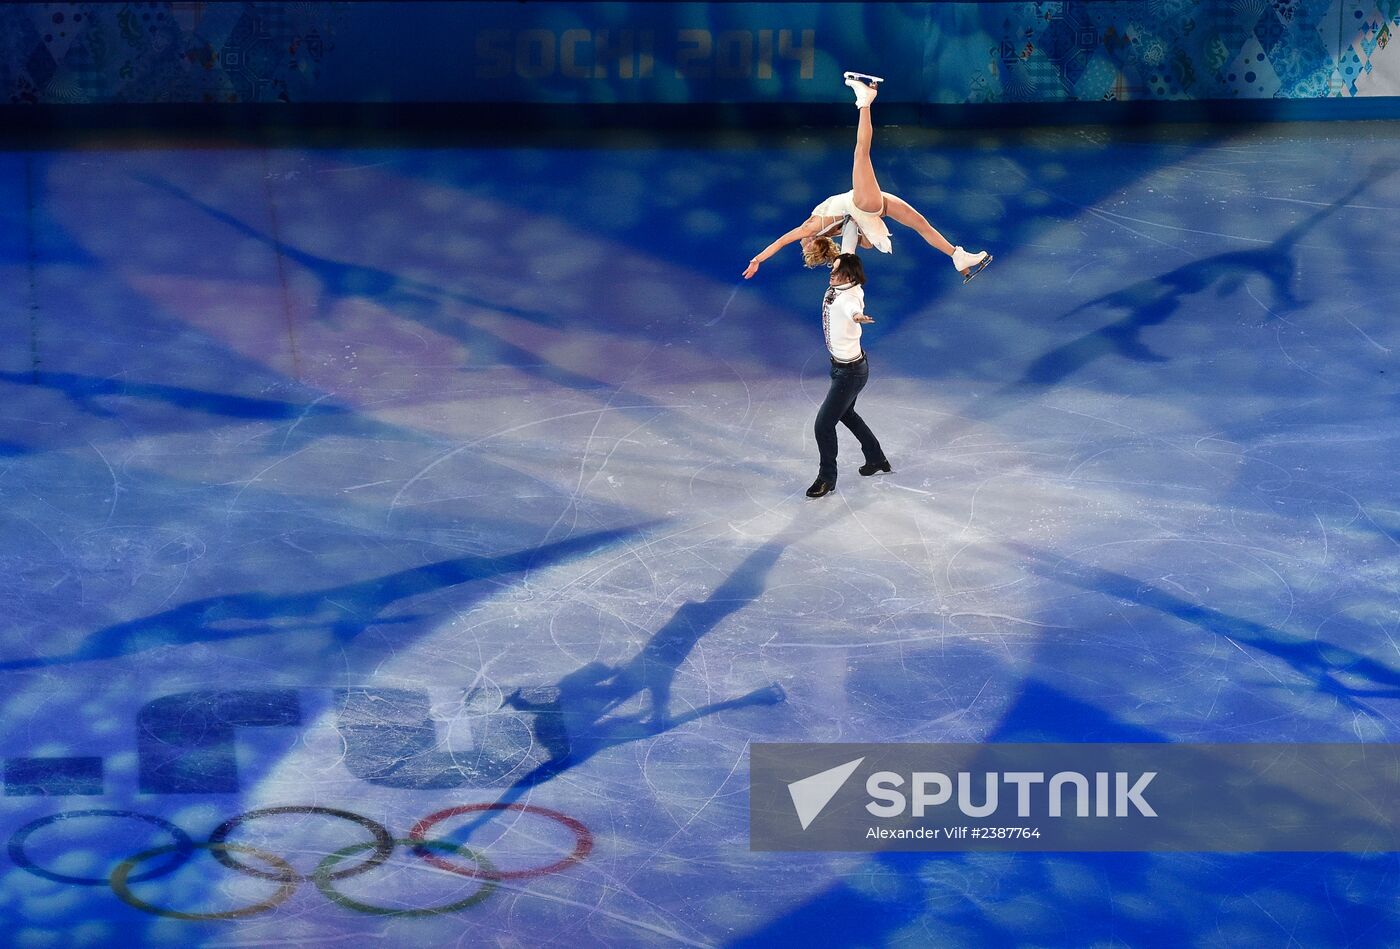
x,y
182,850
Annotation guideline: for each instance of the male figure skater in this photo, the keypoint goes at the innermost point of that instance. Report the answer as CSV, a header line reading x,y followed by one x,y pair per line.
x,y
843,312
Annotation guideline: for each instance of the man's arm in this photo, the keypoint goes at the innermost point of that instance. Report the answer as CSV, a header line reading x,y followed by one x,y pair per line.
x,y
850,236
857,308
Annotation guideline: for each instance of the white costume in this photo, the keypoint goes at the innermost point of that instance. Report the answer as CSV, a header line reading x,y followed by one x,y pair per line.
x,y
840,307
871,225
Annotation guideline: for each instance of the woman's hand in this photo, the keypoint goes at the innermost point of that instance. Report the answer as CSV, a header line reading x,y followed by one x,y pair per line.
x,y
805,229
862,318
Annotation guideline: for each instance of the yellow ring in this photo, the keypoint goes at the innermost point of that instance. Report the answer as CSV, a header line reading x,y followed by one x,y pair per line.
x,y
290,879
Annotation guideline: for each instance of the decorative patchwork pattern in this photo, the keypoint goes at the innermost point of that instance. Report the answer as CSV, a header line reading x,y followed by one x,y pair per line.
x,y
1074,50
1171,49
163,52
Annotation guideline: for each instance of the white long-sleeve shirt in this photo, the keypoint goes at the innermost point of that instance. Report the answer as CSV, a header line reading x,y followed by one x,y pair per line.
x,y
840,306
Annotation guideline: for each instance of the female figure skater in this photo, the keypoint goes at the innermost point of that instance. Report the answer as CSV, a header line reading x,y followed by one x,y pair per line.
x,y
860,212
843,312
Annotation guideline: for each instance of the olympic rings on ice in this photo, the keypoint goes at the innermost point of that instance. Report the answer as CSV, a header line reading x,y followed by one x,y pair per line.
x,y
383,844
286,875
184,846
323,878
444,855
583,841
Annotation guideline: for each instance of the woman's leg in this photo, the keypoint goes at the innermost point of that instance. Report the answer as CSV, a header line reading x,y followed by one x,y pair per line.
x,y
868,196
903,212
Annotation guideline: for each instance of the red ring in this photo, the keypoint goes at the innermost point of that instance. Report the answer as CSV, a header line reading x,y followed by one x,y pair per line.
x,y
581,833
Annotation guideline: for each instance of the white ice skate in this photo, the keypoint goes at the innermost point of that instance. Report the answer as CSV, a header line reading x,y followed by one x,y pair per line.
x,y
865,87
873,80
970,265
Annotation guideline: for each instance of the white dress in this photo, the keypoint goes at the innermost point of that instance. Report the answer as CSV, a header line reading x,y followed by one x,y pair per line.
x,y
871,225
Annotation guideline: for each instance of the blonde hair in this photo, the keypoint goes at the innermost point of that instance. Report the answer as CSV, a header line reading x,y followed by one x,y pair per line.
x,y
820,252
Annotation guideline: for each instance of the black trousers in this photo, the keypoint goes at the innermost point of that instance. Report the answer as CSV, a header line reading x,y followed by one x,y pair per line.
x,y
840,406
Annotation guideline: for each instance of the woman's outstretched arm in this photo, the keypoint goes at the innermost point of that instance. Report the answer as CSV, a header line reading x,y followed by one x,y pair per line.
x,y
808,228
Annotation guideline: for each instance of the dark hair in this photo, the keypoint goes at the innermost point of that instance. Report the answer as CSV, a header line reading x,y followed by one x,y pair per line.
x,y
850,267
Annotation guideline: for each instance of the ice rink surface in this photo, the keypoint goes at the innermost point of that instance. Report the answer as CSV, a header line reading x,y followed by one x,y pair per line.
x,y
369,483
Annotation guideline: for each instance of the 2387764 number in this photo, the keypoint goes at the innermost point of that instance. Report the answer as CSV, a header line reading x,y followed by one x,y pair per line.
x,y
1006,833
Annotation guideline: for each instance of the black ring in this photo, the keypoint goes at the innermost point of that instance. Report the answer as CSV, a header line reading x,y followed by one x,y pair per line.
x,y
383,840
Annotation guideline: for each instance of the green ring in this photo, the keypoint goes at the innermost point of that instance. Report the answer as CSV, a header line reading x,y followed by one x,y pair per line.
x,y
324,880
290,880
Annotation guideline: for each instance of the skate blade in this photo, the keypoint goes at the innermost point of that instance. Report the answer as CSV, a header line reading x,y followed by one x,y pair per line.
x,y
860,75
974,271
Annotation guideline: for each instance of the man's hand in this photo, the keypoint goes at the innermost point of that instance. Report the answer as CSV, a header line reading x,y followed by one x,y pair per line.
x,y
752,269
862,318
